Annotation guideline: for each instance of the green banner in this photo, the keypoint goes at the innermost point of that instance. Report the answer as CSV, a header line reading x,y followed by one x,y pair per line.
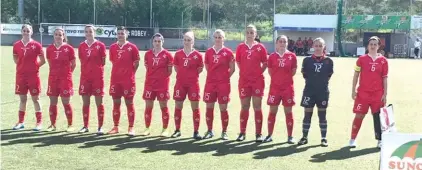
x,y
376,22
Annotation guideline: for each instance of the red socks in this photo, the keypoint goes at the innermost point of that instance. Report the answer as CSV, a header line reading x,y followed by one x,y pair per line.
x,y
100,115
130,114
244,116
85,114
69,114
38,116
357,123
21,116
196,119
209,114
271,123
116,114
258,122
177,118
148,117
53,114
289,123
165,117
224,120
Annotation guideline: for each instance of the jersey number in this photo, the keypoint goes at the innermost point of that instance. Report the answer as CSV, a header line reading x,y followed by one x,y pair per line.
x,y
186,62
373,67
177,93
119,55
318,67
249,54
281,63
271,99
17,88
82,89
306,100
359,106
112,89
88,53
207,96
148,94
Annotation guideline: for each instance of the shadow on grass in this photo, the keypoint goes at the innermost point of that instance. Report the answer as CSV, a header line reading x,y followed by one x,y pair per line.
x,y
283,151
182,146
42,139
341,154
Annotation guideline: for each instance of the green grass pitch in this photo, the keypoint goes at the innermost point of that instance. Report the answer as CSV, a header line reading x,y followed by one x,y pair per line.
x,y
60,150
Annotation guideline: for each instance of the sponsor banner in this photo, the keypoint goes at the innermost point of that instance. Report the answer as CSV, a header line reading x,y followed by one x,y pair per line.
x,y
11,29
401,151
376,22
140,32
310,29
416,22
79,30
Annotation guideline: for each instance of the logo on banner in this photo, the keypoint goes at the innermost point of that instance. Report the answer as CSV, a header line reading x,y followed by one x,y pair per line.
x,y
11,28
407,156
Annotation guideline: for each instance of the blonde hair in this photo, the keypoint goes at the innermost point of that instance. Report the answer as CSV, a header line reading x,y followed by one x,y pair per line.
x,y
27,26
190,34
251,26
319,39
221,32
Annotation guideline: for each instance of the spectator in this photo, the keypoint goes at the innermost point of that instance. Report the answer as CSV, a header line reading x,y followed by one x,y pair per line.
x,y
417,48
299,46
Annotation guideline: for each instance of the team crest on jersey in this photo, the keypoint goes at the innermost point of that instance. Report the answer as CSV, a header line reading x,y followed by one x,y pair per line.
x,y
126,92
33,46
195,57
34,90
162,95
289,101
65,92
224,53
98,90
257,91
259,49
97,47
66,50
225,98
324,103
129,49
193,94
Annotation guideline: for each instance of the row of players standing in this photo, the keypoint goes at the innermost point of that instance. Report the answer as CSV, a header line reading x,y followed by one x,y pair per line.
x,y
251,58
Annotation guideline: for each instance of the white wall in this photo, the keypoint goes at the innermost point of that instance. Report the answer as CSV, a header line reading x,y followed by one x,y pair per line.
x,y
310,21
327,36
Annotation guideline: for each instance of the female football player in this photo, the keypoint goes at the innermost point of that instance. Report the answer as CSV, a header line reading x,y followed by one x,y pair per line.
x,y
188,64
220,65
159,64
92,54
28,56
282,66
371,70
251,58
61,58
317,71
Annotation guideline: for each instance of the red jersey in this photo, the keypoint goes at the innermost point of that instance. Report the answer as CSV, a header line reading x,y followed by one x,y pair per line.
x,y
282,67
249,60
187,66
218,63
123,59
27,57
92,57
372,72
59,59
299,44
157,74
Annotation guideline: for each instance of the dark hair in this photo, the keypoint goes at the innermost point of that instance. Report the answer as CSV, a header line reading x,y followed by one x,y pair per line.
x,y
376,39
282,36
26,25
158,35
121,28
257,39
64,35
90,26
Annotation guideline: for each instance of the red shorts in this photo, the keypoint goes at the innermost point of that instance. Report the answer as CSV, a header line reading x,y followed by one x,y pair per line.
x,y
152,94
94,87
126,90
276,95
364,100
192,91
23,85
251,88
60,87
214,91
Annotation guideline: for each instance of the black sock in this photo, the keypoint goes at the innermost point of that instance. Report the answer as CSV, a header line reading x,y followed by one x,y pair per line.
x,y
377,125
306,124
323,122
